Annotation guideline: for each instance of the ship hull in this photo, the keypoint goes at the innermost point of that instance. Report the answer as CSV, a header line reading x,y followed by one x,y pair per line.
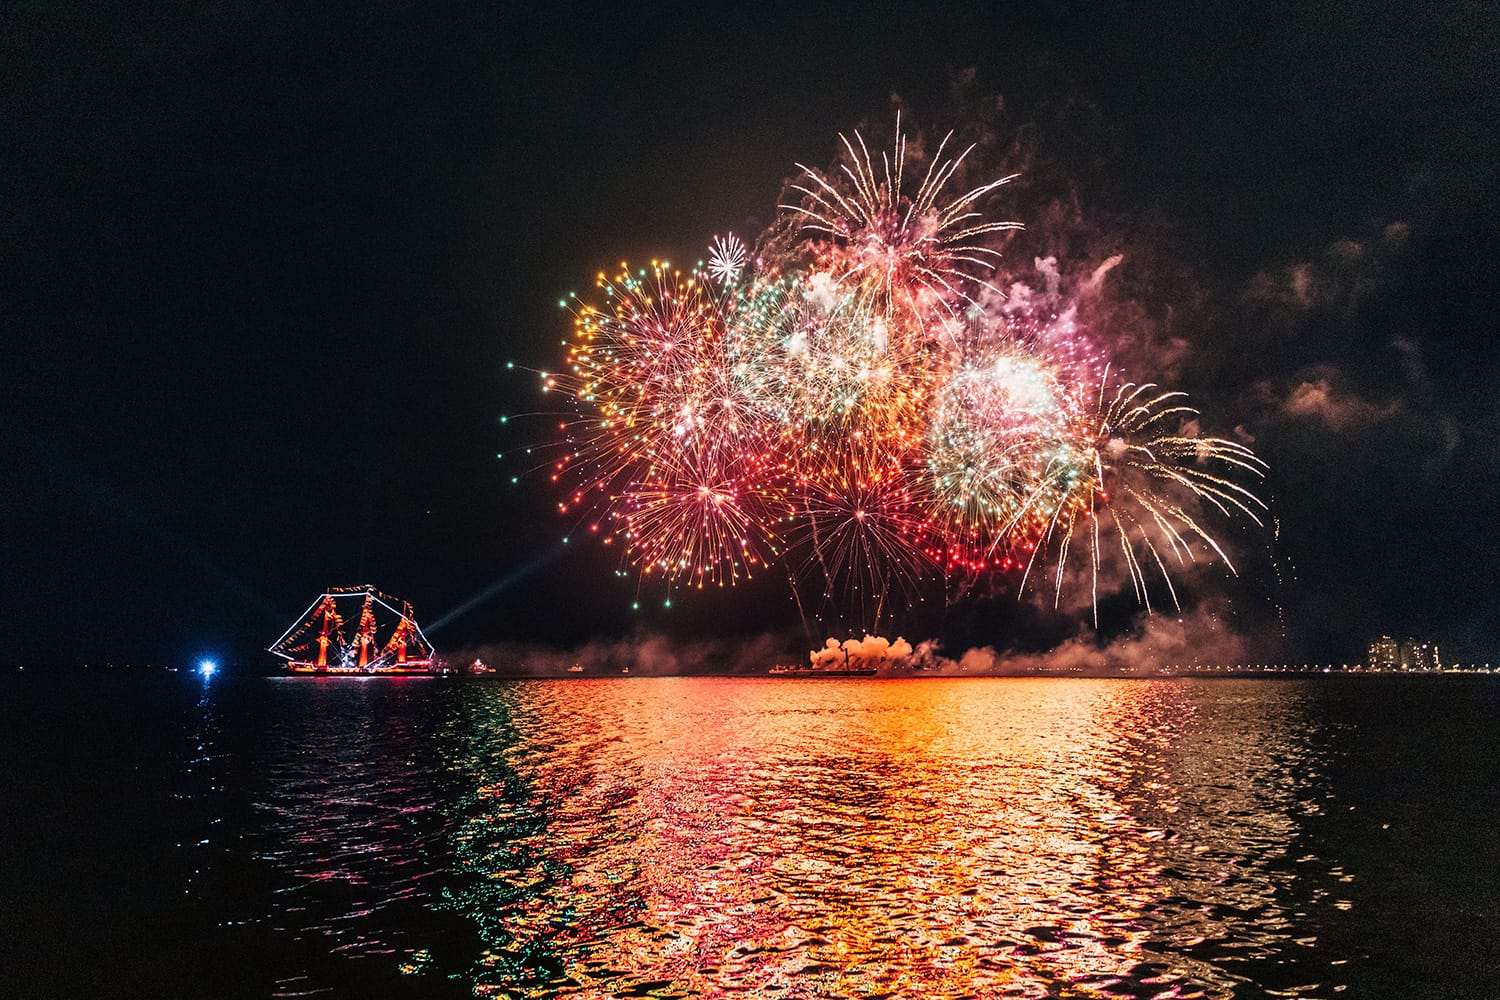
x,y
420,667
849,672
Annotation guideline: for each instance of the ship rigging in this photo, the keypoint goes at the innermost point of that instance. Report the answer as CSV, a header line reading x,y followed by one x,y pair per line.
x,y
317,643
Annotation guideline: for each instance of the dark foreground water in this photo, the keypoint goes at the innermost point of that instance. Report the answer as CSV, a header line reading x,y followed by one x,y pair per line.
x,y
1329,837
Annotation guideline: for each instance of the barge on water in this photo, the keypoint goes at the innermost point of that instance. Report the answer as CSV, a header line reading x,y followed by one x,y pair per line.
x,y
386,639
789,670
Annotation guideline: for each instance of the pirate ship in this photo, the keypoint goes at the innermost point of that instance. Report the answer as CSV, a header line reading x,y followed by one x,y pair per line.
x,y
386,637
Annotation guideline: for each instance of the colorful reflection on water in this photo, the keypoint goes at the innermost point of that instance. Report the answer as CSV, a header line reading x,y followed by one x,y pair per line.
x,y
864,838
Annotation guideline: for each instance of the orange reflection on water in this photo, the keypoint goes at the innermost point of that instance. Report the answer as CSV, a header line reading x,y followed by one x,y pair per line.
x,y
865,838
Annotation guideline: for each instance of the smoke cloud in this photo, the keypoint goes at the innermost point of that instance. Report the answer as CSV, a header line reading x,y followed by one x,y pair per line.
x,y
1319,399
871,651
1153,643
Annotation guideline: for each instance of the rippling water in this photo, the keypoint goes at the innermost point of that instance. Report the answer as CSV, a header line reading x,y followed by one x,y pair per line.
x,y
794,838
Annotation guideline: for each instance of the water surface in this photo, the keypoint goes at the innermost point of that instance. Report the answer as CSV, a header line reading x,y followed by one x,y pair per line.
x,y
1326,837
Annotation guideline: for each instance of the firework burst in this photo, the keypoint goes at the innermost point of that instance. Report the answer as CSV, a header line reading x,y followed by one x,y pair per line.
x,y
727,259
915,253
666,448
856,404
1137,483
1000,435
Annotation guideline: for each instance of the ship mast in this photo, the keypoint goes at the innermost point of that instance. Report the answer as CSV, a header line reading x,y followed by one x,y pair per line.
x,y
402,636
329,612
366,629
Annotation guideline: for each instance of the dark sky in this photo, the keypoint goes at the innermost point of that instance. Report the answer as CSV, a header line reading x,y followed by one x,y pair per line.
x,y
261,268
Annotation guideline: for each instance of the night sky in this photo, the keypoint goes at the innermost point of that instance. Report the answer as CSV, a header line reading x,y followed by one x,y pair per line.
x,y
261,270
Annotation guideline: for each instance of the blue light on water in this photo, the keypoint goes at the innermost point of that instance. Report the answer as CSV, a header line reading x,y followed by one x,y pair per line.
x,y
207,668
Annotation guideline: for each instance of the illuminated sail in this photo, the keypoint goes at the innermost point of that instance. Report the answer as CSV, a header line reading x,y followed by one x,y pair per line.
x,y
386,637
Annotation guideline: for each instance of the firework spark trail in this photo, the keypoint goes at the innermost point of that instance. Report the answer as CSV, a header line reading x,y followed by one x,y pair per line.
x,y
861,540
857,403
1141,474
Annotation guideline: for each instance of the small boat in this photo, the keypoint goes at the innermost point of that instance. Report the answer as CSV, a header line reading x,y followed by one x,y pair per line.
x,y
576,669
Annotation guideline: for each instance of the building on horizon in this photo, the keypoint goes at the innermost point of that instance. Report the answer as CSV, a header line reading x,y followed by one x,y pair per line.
x,y
1408,654
1384,654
